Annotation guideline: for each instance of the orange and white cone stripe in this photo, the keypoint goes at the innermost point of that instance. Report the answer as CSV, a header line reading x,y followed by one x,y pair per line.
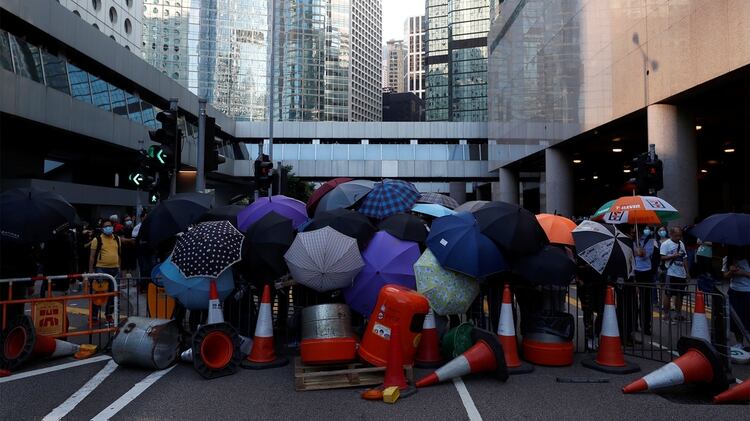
x,y
507,326
215,314
700,328
64,349
456,367
263,347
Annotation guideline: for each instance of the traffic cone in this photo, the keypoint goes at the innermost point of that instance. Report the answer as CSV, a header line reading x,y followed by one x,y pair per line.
x,y
739,393
215,314
394,371
506,332
700,322
610,358
263,354
485,355
21,343
428,353
698,363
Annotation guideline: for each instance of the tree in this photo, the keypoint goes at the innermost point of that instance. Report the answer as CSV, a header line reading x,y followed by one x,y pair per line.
x,y
295,186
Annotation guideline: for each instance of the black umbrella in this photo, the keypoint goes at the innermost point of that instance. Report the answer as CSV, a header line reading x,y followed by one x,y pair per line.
x,y
29,215
223,213
725,228
550,266
604,248
511,227
208,249
405,226
347,222
270,239
174,215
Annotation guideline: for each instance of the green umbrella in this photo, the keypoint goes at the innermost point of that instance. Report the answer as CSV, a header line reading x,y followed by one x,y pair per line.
x,y
599,214
448,292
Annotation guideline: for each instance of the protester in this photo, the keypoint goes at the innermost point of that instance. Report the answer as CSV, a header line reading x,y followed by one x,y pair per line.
x,y
117,226
674,256
129,256
105,257
627,300
644,274
736,268
591,291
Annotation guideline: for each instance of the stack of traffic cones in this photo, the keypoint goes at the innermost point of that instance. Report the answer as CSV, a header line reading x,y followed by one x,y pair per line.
x,y
21,344
263,351
506,332
739,393
216,345
610,358
700,322
428,353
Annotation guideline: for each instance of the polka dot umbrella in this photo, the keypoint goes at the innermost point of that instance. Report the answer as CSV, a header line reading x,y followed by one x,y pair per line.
x,y
208,249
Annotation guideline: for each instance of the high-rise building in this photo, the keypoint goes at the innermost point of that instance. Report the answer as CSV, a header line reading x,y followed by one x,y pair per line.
x,y
456,82
367,36
120,20
414,30
395,61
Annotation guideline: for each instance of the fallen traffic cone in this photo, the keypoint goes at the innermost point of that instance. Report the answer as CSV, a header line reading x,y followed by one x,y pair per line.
x,y
215,314
698,363
739,393
428,353
610,358
485,355
216,345
263,354
700,322
21,343
394,371
506,332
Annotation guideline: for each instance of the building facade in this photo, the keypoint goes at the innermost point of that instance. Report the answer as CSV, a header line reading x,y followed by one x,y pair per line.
x,y
414,31
456,80
119,20
395,71
367,36
404,106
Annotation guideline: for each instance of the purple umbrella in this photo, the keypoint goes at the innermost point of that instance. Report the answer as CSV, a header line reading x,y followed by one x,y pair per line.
x,y
285,206
388,260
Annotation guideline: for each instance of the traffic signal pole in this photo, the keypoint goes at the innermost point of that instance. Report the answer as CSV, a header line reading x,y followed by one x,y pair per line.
x,y
200,176
177,147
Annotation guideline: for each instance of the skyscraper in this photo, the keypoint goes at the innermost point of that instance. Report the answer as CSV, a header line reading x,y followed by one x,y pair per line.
x,y
456,82
120,20
414,31
395,70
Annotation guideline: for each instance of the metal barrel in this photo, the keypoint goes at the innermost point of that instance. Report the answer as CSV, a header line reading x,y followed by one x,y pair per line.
x,y
147,343
327,321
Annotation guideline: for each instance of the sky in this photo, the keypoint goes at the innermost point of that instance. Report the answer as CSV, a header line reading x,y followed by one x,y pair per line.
x,y
395,13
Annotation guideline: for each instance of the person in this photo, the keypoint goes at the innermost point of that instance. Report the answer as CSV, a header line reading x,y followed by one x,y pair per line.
x,y
105,258
627,300
674,256
644,275
591,290
129,257
736,268
117,226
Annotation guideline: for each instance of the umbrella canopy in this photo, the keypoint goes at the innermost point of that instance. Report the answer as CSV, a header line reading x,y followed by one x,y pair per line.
x,y
174,215
193,293
389,197
458,245
30,215
550,266
321,191
324,259
648,210
223,213
471,206
208,249
432,209
558,228
347,222
269,239
512,227
284,206
448,292
732,229
604,248
388,260
599,214
438,199
405,226
345,195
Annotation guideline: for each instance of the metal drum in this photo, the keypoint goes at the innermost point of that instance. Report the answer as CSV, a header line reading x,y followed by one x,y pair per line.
x,y
327,335
147,343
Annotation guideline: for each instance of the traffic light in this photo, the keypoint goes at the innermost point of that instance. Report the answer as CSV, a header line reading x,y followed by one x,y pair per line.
x,y
212,157
168,133
263,169
154,196
159,156
648,173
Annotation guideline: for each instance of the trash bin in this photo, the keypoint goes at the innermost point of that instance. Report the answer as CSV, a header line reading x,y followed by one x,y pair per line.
x,y
147,343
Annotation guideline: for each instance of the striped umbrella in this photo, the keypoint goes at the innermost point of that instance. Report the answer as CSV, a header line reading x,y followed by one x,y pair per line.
x,y
604,248
324,259
438,199
389,197
648,210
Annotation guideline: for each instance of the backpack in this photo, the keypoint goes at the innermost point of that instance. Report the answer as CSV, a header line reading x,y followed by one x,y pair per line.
x,y
99,245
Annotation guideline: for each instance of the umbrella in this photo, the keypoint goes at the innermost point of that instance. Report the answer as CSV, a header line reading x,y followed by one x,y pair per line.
x,y
604,248
389,197
732,229
405,226
448,292
208,249
438,199
324,259
388,260
269,239
558,228
458,245
512,227
345,195
599,214
321,191
432,209
174,215
550,266
29,215
223,213
284,206
471,206
347,222
193,292
647,210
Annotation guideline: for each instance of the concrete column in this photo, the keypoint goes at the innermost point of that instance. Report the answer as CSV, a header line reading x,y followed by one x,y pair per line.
x,y
458,191
558,180
673,133
508,186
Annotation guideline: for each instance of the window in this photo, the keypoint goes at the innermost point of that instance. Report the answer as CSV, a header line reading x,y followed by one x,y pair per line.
x,y
100,93
134,108
117,97
6,62
175,75
128,26
96,4
95,25
75,12
113,15
27,59
54,70
129,3
79,83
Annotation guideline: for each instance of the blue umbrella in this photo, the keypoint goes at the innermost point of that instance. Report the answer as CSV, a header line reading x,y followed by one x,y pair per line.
x,y
732,229
458,245
193,292
389,197
432,209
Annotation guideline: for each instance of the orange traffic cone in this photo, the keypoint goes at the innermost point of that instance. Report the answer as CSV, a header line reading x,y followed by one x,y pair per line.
x,y
698,363
215,351
700,322
506,332
21,343
215,313
428,353
739,393
610,358
485,355
263,353
394,371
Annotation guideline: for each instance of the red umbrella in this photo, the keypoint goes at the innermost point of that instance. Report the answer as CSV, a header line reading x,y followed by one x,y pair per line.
x,y
321,191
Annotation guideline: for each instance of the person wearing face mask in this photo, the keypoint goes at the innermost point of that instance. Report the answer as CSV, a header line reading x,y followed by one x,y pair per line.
x,y
674,256
105,257
644,274
129,262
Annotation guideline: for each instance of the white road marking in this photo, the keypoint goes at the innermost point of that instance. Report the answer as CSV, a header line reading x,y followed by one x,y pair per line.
x,y
46,370
81,393
130,395
468,402
660,346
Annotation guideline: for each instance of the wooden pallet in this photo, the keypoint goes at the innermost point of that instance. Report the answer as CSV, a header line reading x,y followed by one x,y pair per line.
x,y
337,376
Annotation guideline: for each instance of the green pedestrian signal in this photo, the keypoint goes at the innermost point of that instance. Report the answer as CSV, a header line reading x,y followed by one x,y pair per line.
x,y
153,197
